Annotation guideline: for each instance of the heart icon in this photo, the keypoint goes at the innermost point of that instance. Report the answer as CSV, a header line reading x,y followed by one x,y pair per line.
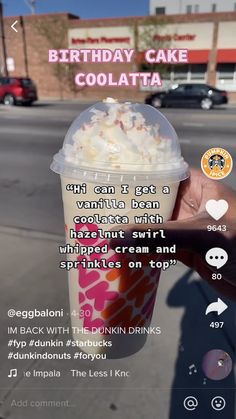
x,y
216,209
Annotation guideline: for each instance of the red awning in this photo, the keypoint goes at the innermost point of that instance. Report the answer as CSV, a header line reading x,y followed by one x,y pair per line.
x,y
200,56
195,56
226,56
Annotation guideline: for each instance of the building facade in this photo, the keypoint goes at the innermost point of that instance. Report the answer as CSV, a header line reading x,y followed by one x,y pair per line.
x,y
172,7
209,37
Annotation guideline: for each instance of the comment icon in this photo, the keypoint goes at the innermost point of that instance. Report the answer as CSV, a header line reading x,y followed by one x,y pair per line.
x,y
216,257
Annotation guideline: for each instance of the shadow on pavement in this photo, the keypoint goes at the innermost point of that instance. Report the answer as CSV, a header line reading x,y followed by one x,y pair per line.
x,y
39,105
197,338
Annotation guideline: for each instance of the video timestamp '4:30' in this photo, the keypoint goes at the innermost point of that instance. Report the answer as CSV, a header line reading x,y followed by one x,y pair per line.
x,y
81,313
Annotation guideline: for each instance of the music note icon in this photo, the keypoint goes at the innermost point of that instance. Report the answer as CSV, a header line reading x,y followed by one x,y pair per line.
x,y
192,369
12,373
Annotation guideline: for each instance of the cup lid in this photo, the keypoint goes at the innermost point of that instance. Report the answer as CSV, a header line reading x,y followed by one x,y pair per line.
x,y
111,140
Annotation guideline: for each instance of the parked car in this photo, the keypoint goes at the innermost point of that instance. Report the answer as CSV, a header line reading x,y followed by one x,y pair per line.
x,y
188,95
14,90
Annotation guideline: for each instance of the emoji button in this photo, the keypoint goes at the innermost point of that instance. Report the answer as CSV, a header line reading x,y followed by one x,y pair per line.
x,y
216,163
218,403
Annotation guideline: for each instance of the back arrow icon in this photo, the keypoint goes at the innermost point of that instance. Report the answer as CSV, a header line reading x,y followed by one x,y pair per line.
x,y
13,26
219,307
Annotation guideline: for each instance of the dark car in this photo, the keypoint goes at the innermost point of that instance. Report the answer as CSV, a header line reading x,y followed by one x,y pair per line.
x,y
188,95
14,90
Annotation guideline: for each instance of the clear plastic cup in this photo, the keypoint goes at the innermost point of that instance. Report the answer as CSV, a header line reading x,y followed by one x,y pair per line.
x,y
109,145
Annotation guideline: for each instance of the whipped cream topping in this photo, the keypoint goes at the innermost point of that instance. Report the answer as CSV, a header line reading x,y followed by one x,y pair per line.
x,y
121,139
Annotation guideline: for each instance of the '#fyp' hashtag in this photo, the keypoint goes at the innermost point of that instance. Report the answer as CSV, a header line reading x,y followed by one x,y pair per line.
x,y
10,343
10,355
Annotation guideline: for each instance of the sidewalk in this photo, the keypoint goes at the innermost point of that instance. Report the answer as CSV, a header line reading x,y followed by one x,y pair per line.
x,y
31,279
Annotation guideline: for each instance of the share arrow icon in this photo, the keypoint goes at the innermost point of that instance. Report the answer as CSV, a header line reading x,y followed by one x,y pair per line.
x,y
219,307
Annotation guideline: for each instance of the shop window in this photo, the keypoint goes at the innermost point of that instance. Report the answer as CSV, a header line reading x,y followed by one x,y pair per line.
x,y
160,10
226,71
181,72
226,76
189,8
234,7
198,72
196,8
213,7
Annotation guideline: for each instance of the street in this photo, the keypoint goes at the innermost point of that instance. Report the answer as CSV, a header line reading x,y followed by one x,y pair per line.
x,y
30,192
32,227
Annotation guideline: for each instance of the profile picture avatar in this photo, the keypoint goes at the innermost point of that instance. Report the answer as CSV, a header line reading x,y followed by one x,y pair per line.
x,y
216,163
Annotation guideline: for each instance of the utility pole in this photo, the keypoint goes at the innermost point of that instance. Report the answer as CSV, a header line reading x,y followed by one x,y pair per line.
x,y
24,46
32,5
3,41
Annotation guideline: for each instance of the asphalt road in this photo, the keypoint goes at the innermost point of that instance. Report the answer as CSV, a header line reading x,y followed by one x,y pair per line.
x,y
30,192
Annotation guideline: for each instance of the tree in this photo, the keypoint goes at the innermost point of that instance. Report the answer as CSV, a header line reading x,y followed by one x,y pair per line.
x,y
54,30
150,36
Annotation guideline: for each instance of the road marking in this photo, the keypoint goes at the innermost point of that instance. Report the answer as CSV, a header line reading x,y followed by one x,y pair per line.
x,y
193,124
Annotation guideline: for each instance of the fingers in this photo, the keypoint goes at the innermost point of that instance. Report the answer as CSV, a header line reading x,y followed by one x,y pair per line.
x,y
187,235
192,241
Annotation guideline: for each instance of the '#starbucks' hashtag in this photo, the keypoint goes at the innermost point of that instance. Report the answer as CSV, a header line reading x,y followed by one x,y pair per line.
x,y
10,355
68,342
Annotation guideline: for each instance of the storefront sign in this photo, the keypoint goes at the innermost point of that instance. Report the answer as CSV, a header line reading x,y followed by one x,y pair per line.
x,y
105,37
10,64
194,36
175,37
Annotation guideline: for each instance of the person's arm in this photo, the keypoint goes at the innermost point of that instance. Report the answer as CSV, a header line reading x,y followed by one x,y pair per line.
x,y
188,230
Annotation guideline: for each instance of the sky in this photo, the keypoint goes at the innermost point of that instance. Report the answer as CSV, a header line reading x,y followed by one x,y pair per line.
x,y
83,8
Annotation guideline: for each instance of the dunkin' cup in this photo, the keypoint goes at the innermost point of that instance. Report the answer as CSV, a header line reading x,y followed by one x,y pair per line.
x,y
120,164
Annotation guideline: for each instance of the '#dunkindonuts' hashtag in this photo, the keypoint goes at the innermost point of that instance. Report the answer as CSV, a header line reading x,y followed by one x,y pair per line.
x,y
10,355
31,343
